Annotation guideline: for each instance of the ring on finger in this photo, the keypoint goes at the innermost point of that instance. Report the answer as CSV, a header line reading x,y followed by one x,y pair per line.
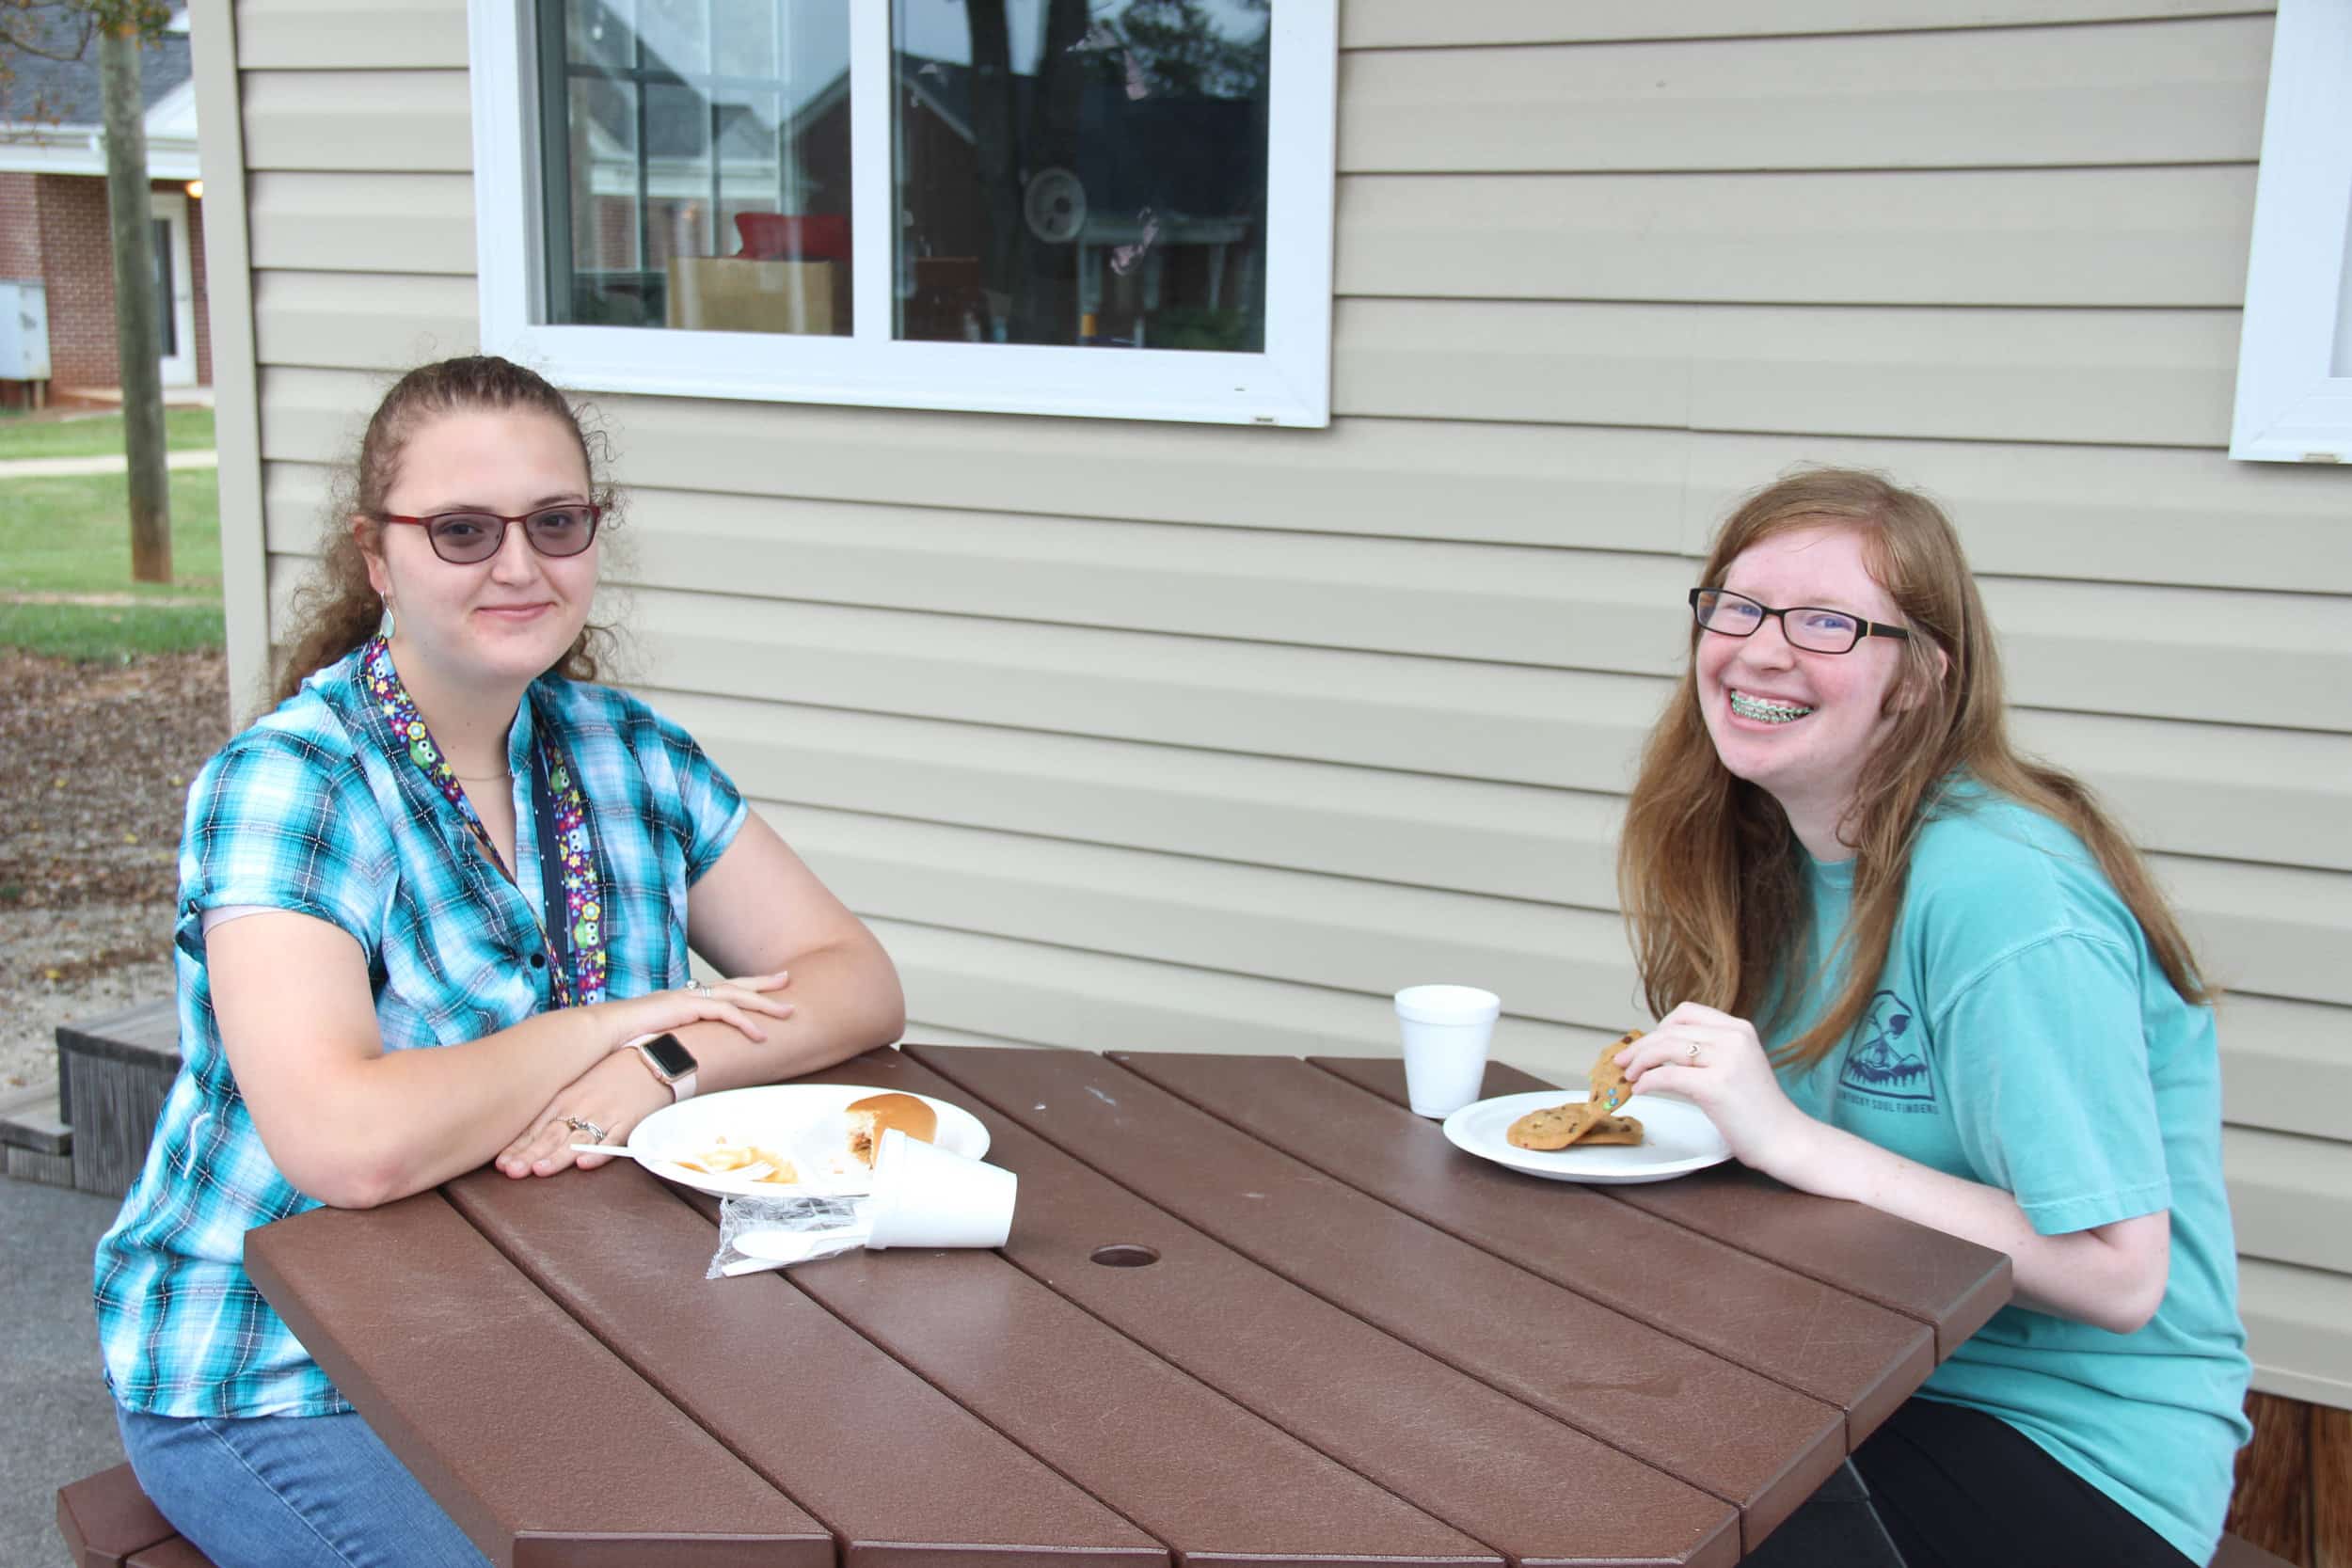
x,y
595,1133
1694,1052
698,988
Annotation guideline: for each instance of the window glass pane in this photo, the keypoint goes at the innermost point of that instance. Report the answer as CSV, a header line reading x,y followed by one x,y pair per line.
x,y
698,164
595,33
1076,173
167,318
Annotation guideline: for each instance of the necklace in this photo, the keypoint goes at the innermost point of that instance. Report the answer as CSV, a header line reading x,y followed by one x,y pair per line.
x,y
570,851
482,778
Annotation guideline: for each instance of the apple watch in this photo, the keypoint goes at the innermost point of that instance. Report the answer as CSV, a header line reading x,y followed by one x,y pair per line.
x,y
666,1058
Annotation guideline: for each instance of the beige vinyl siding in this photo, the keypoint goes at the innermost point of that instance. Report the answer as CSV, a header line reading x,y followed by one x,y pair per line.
x,y
1193,737
349,119
300,221
2168,92
1394,23
2067,512
2164,236
338,34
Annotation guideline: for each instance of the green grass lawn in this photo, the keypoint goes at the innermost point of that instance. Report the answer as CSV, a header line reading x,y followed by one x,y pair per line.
x,y
97,435
73,536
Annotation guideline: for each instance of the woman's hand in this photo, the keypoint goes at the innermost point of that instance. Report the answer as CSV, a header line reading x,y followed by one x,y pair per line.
x,y
730,1002
612,1096
619,1091
1715,1061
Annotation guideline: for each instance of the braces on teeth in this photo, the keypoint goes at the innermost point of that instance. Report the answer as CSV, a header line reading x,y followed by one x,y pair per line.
x,y
1758,708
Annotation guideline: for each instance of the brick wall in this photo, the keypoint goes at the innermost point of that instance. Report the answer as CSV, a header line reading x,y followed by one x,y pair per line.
x,y
77,261
20,227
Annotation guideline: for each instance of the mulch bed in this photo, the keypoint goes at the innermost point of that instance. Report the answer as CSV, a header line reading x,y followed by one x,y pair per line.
x,y
98,759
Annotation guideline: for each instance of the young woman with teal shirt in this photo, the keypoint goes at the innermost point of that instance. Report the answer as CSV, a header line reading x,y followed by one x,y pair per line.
x,y
1900,963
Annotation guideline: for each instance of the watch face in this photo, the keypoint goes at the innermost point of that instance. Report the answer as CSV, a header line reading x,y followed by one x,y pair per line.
x,y
672,1058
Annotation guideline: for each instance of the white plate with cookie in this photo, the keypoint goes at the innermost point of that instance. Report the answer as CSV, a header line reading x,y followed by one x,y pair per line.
x,y
1675,1139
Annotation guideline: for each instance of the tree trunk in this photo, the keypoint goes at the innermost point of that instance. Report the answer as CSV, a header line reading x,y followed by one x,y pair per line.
x,y
131,217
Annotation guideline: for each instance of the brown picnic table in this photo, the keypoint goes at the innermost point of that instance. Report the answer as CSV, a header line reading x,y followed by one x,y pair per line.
x,y
1253,1311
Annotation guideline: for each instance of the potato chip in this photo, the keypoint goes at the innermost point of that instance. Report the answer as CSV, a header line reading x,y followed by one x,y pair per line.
x,y
747,1162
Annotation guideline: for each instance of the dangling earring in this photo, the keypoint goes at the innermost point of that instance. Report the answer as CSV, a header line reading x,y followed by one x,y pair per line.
x,y
384,628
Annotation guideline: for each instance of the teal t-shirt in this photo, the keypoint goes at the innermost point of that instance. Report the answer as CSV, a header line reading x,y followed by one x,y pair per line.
x,y
2022,1036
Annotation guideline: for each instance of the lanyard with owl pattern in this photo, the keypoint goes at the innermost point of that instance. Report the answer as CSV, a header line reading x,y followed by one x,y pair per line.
x,y
567,855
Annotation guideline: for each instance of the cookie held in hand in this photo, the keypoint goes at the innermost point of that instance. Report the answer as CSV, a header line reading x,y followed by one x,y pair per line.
x,y
1555,1127
1608,1080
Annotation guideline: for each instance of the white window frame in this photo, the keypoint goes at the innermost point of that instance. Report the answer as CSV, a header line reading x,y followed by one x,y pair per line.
x,y
1289,383
2291,405
171,207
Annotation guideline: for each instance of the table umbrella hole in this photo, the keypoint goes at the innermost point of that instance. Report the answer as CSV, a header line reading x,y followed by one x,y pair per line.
x,y
1125,1255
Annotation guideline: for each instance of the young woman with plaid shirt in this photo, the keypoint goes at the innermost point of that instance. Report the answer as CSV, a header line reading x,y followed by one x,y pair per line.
x,y
431,908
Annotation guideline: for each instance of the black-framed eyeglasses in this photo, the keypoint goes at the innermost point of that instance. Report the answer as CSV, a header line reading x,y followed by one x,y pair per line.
x,y
467,538
1808,627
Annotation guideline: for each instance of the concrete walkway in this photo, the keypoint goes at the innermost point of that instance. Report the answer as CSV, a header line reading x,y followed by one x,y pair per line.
x,y
114,463
57,1420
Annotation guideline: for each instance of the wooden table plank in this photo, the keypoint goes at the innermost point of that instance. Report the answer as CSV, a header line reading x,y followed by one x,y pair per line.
x,y
1735,1434
1196,1469
456,1361
1951,1285
1814,1338
1485,1463
820,1413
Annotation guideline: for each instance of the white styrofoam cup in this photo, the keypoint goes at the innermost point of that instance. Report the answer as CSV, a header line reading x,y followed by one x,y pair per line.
x,y
925,1196
1446,1030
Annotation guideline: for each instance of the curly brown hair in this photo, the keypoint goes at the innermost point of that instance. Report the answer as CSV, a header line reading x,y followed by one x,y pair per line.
x,y
1709,869
336,609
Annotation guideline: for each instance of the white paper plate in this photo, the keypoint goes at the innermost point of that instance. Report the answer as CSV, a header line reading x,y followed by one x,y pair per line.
x,y
1678,1139
792,1118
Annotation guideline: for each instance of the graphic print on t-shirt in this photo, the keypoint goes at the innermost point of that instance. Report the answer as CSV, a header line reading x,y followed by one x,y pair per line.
x,y
1888,1056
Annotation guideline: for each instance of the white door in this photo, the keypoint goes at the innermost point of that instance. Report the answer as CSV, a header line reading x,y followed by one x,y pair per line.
x,y
175,288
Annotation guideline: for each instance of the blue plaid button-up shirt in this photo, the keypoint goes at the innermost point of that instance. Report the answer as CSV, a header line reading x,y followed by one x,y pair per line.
x,y
315,810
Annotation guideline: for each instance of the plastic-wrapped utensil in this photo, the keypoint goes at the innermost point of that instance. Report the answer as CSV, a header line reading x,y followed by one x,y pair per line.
x,y
756,1233
922,1196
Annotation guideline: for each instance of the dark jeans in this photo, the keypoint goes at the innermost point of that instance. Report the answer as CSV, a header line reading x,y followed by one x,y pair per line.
x,y
1939,1486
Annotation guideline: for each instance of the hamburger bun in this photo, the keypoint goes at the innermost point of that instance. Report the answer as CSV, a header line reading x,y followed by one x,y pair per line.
x,y
877,1114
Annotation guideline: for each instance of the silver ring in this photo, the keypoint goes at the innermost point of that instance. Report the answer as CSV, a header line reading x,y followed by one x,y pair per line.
x,y
698,988
1694,1052
595,1133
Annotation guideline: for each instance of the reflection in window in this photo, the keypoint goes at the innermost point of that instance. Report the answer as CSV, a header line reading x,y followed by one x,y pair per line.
x,y
1075,173
697,163
167,311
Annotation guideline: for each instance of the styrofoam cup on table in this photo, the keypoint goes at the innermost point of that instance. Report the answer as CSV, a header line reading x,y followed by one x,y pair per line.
x,y
924,1196
1446,1031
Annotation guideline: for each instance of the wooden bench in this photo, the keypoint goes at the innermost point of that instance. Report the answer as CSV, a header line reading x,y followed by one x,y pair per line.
x,y
108,1522
113,1073
35,1143
2237,1552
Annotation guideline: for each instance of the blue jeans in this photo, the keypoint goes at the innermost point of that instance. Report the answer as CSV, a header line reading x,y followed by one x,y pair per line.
x,y
290,1492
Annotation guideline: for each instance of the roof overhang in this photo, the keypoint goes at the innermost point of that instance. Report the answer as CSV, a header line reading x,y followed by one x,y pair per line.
x,y
82,148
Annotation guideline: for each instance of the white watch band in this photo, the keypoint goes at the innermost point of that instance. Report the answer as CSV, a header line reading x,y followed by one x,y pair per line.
x,y
681,1088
